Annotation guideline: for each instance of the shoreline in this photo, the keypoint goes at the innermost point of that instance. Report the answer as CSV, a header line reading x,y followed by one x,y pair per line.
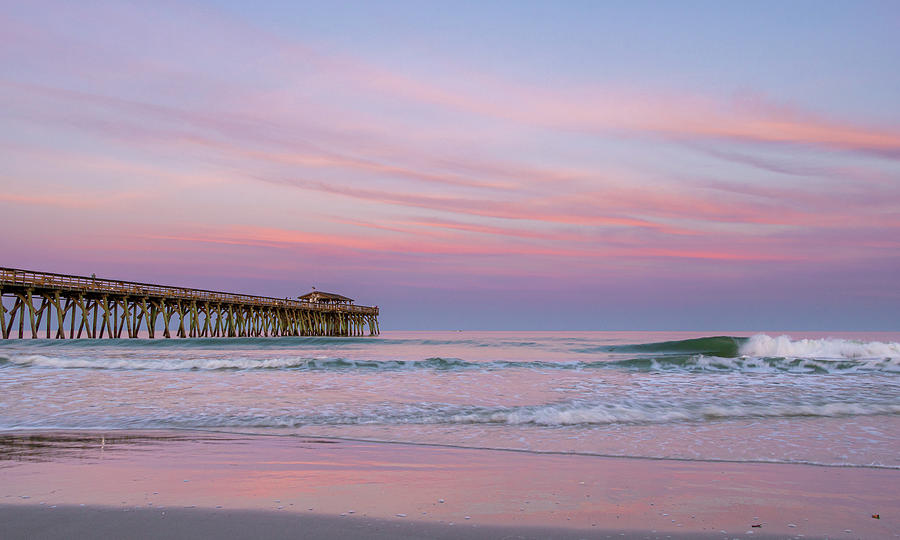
x,y
239,433
119,475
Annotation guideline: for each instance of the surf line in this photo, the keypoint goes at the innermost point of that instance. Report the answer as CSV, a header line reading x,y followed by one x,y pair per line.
x,y
538,452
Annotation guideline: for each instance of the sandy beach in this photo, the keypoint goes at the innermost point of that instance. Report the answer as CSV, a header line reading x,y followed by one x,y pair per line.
x,y
192,484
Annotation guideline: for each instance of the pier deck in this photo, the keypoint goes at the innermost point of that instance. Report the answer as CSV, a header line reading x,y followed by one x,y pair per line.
x,y
49,304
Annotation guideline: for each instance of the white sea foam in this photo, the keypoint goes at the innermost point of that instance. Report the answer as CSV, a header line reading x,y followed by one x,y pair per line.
x,y
546,415
775,364
219,363
557,415
754,360
165,364
762,345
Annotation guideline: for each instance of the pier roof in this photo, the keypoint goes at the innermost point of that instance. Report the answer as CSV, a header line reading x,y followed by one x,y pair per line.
x,y
322,296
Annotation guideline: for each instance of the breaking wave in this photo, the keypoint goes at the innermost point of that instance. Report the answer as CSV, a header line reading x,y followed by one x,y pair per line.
x,y
746,364
567,415
762,345
724,346
716,354
202,364
550,415
670,364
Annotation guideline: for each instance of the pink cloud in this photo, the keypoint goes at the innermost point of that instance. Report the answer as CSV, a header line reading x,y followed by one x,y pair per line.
x,y
594,198
70,200
605,110
458,245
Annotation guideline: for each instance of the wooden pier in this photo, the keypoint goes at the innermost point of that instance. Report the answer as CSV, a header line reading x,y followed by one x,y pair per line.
x,y
90,307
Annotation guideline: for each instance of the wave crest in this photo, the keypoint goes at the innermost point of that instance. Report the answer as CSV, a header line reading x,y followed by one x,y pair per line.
x,y
195,364
750,364
567,415
724,346
763,346
697,363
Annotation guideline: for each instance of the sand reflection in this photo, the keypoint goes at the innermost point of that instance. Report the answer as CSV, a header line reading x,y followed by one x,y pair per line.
x,y
441,485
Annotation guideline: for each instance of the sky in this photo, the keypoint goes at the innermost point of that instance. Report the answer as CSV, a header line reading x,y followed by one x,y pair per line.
x,y
467,165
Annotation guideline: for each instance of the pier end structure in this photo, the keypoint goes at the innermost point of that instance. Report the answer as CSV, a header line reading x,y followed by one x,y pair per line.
x,y
68,307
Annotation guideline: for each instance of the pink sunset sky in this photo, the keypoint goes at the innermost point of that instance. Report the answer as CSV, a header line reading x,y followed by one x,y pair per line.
x,y
556,165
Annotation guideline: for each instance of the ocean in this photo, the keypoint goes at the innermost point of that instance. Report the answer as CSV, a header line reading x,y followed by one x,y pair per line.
x,y
831,400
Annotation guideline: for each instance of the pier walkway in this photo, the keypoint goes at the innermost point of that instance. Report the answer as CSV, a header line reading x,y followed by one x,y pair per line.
x,y
50,304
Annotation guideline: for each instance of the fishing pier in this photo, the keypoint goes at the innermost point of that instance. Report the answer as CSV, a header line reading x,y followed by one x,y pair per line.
x,y
49,304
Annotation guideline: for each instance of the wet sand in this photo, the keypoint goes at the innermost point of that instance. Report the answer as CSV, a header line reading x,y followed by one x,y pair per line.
x,y
98,522
198,484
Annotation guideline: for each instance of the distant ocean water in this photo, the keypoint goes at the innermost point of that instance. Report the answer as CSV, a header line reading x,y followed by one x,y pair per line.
x,y
766,397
